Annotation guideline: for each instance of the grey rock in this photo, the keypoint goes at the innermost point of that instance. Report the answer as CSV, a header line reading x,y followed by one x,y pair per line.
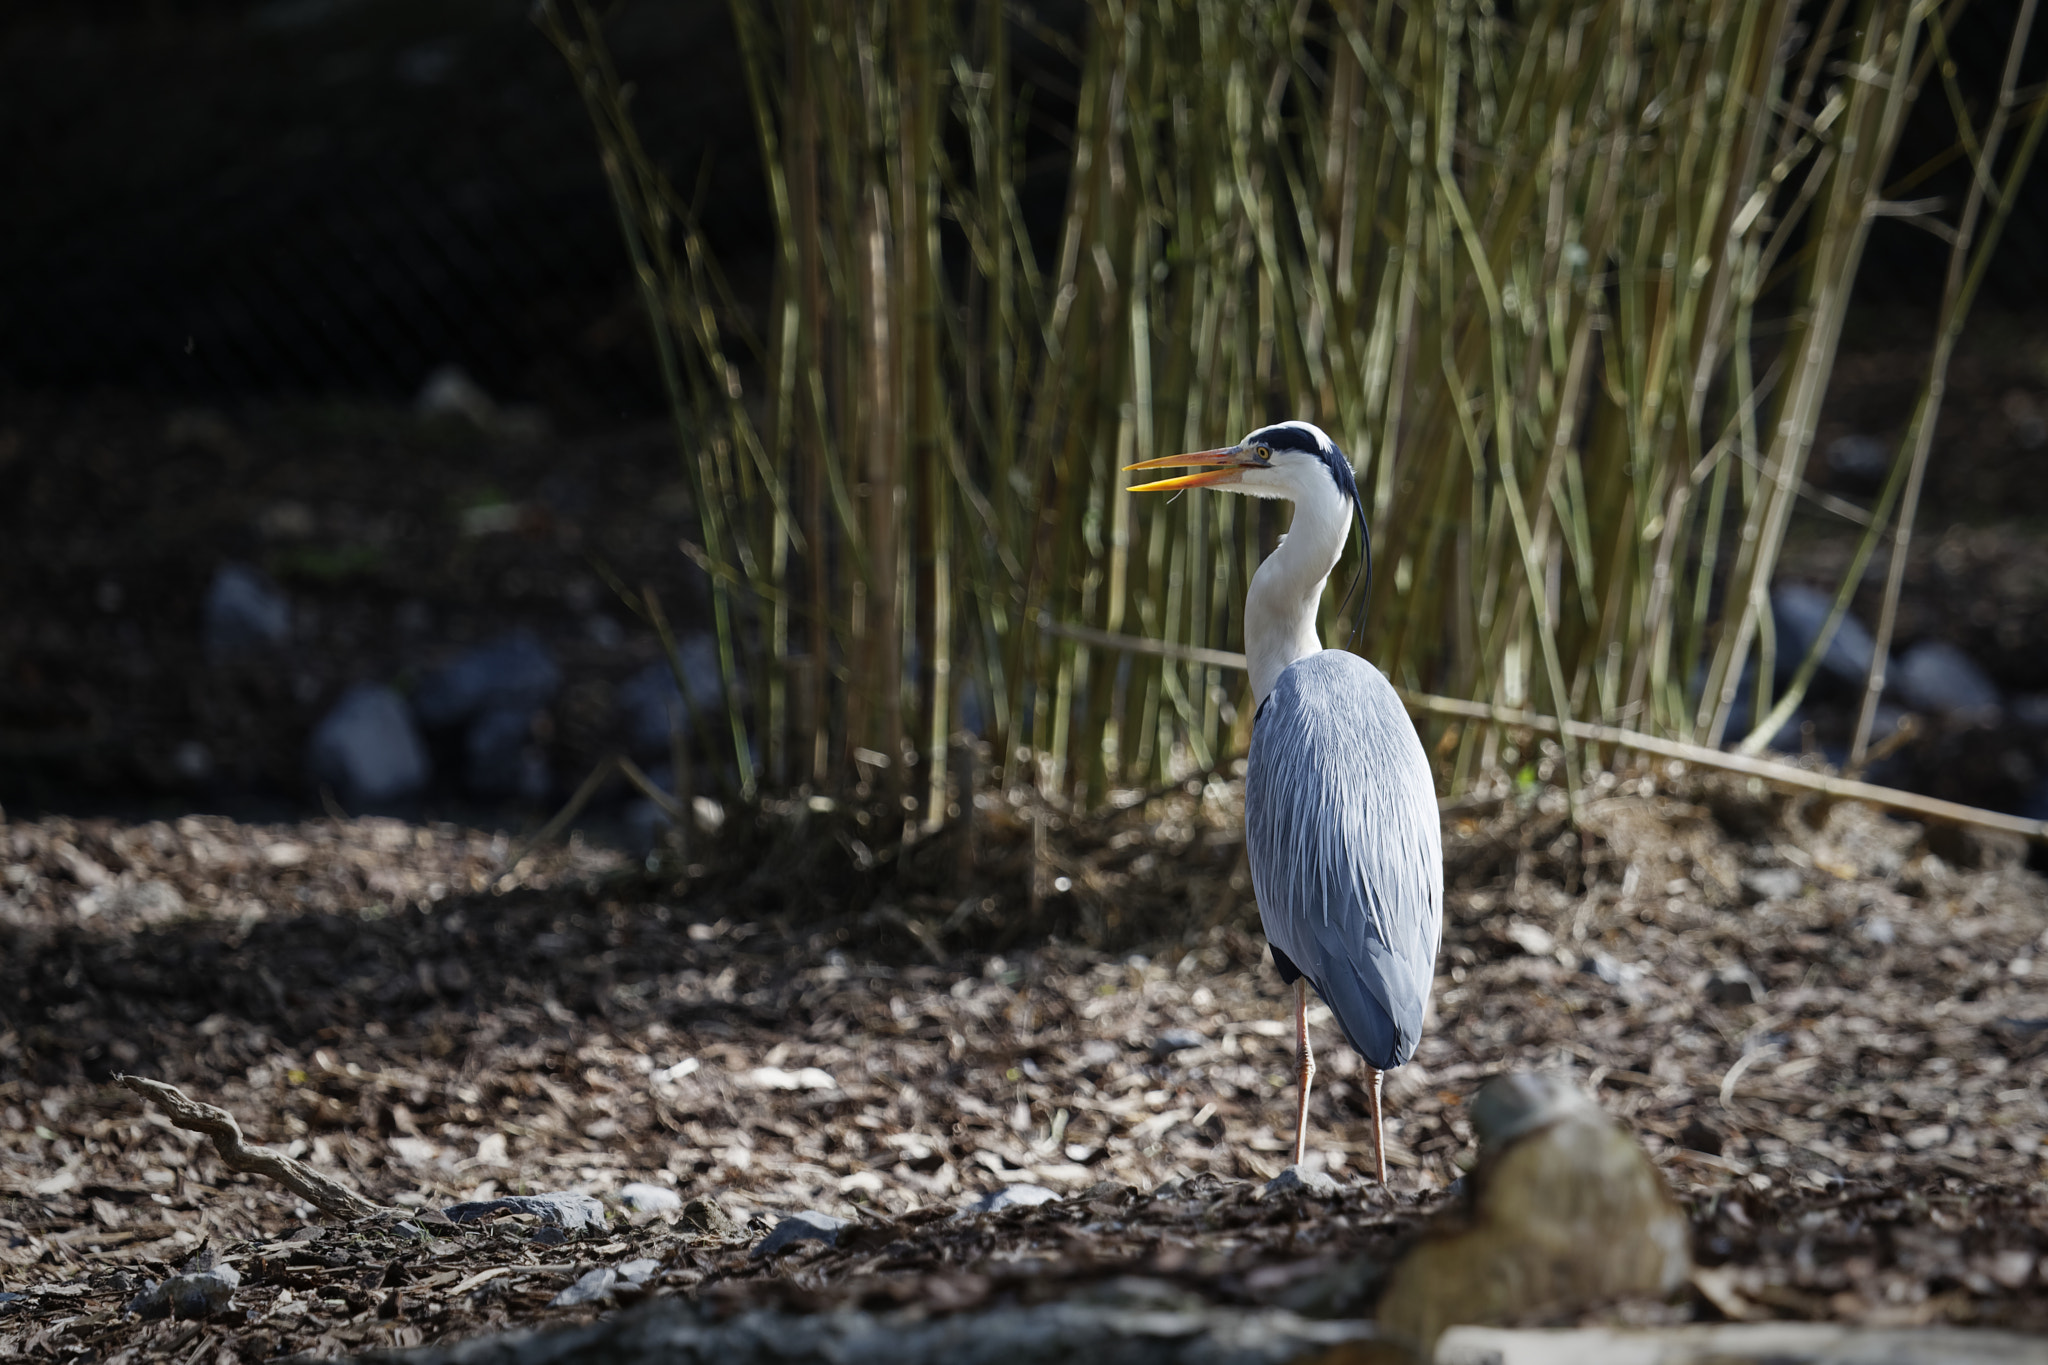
x,y
1772,883
650,702
709,1217
1936,676
450,392
1605,966
1799,612
808,1226
7,1301
1626,977
1736,985
243,612
1520,1102
1022,1196
192,761
1294,1180
595,1286
501,758
1877,929
196,1294
638,1271
573,1212
1861,458
514,672
641,1197
1099,1052
1176,1040
366,749
151,902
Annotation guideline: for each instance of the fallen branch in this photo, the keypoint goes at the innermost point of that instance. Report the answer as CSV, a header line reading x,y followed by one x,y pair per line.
x,y
1783,774
328,1195
672,1331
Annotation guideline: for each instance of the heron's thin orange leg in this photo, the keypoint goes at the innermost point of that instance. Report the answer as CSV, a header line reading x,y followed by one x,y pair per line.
x,y
1379,1140
1305,1067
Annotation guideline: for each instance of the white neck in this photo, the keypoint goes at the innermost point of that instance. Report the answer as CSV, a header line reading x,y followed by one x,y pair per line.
x,y
1280,609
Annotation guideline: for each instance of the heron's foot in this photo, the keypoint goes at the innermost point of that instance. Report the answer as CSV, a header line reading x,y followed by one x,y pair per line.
x,y
1304,1069
1379,1136
1297,1179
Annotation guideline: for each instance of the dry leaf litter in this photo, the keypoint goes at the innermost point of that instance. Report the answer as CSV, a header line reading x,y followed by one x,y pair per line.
x,y
1828,1038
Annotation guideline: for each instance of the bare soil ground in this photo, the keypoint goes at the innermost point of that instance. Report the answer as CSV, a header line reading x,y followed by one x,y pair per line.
x,y
1830,1041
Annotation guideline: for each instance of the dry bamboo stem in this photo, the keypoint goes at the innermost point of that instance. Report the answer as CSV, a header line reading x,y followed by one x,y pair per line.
x,y
1783,774
329,1196
1957,295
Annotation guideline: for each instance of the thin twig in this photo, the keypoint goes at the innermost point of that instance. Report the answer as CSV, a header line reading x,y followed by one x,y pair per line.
x,y
669,805
324,1193
549,832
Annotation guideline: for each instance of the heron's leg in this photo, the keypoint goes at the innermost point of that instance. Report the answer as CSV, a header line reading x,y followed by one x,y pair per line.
x,y
1305,1067
1379,1139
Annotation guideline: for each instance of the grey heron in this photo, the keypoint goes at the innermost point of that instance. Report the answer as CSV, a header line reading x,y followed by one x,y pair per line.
x,y
1340,809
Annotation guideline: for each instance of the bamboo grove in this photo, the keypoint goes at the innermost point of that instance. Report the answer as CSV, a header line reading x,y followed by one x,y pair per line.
x,y
1567,287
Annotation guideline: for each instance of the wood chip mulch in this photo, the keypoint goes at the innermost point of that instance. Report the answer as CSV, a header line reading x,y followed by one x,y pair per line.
x,y
1829,1039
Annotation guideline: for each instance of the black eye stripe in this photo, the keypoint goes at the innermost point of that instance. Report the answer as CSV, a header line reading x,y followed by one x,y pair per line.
x,y
1287,436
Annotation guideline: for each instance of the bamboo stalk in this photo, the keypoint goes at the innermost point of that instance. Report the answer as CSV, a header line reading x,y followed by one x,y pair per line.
x,y
1783,774
1959,290
1517,263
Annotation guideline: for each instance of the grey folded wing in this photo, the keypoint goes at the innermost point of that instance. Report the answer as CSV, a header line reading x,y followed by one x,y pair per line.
x,y
1346,857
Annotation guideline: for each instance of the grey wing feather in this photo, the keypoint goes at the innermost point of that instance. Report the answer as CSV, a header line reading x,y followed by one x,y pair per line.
x,y
1346,856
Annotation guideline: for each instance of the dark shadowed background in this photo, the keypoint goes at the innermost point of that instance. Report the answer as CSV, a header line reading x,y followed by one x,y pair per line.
x,y
334,289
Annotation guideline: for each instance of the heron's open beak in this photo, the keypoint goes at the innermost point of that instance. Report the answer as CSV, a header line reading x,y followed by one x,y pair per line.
x,y
1233,459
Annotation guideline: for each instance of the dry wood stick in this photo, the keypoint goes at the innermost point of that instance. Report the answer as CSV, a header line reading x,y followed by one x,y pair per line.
x,y
329,1196
1783,774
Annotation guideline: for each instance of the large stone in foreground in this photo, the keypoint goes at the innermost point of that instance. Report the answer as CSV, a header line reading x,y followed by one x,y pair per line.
x,y
1566,1213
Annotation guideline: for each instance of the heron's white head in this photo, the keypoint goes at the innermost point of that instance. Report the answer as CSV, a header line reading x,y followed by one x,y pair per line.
x,y
1293,460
